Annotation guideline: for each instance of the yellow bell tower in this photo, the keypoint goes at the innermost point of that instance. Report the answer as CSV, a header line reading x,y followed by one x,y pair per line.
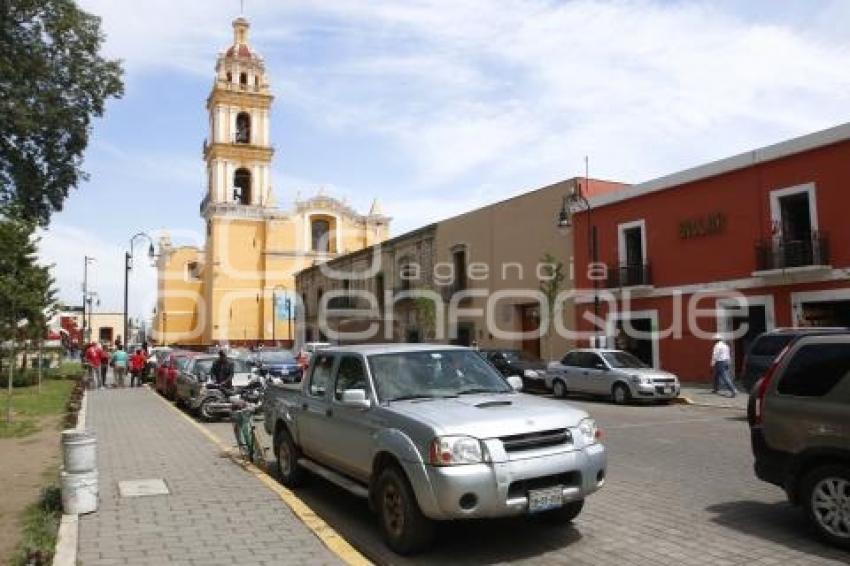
x,y
239,197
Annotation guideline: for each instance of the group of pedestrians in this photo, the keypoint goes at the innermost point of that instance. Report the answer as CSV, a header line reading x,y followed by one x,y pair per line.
x,y
98,358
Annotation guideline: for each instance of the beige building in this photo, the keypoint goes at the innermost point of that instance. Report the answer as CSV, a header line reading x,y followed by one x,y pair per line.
x,y
485,267
236,289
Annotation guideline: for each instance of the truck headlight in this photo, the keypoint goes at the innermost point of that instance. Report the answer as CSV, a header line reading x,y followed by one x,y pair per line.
x,y
455,450
589,431
530,374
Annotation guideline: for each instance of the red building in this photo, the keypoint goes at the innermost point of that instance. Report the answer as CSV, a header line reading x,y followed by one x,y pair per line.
x,y
771,224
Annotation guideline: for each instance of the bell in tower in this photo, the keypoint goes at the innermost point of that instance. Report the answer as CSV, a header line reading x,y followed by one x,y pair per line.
x,y
238,153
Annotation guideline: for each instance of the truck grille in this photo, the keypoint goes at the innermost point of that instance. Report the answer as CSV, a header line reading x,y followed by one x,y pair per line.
x,y
532,440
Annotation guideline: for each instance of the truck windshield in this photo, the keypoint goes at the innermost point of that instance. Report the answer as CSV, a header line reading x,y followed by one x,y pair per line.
x,y
433,374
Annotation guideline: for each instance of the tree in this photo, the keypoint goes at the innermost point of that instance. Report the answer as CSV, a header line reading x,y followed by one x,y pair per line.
x,y
550,285
26,288
26,291
426,314
53,81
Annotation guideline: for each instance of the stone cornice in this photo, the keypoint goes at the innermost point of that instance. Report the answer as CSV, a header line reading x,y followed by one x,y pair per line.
x,y
242,212
243,152
239,98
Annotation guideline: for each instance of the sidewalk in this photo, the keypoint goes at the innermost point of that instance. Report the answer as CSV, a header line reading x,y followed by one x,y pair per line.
x,y
215,513
700,394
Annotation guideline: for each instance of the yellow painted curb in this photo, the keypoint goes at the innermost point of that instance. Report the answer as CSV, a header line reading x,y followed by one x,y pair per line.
x,y
682,401
329,537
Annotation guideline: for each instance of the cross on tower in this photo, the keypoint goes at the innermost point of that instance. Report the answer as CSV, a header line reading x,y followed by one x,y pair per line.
x,y
242,7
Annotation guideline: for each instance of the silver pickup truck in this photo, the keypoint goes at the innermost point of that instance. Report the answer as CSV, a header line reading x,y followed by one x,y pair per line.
x,y
431,432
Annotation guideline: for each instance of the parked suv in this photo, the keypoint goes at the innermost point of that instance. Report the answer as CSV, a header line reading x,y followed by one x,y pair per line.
x,y
799,416
767,346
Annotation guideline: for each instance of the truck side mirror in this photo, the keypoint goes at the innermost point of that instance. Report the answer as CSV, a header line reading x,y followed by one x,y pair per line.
x,y
515,382
355,398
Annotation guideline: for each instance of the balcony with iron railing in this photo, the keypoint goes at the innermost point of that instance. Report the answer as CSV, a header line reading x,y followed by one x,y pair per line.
x,y
629,275
779,253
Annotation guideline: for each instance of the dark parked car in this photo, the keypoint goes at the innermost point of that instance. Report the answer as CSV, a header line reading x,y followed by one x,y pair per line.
x,y
767,346
515,362
280,364
166,371
799,416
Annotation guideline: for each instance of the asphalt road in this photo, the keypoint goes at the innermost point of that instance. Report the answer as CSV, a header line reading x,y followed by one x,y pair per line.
x,y
680,491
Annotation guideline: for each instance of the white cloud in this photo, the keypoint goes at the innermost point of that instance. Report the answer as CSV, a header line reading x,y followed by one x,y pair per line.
x,y
507,94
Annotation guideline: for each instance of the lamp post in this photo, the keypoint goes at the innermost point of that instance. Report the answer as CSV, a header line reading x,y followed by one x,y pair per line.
x,y
128,265
577,199
90,298
86,330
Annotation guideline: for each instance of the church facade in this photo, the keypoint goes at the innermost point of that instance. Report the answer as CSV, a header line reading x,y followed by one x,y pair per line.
x,y
240,288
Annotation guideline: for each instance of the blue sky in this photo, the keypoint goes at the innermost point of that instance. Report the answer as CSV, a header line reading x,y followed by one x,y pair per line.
x,y
436,106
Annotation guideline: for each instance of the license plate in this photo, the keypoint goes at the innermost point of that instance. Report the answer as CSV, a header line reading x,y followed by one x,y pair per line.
x,y
545,499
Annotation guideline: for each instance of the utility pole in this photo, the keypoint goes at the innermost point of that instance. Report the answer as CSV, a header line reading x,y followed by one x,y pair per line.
x,y
86,329
127,267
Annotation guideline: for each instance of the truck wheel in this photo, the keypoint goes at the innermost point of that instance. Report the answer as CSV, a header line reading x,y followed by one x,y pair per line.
x,y
559,388
826,498
621,394
291,474
405,529
563,514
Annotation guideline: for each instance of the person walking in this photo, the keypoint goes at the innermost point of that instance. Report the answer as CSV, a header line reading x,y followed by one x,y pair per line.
x,y
119,362
92,357
103,349
137,367
720,359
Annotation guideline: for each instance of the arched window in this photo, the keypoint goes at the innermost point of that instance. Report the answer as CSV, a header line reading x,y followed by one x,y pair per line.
x,y
321,235
242,186
257,81
229,77
243,128
243,79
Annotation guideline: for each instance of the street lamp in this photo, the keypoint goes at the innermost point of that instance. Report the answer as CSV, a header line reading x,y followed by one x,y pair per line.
x,y
577,199
288,303
128,265
89,299
87,261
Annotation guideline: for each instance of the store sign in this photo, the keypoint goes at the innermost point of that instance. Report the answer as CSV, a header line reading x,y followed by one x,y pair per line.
x,y
702,226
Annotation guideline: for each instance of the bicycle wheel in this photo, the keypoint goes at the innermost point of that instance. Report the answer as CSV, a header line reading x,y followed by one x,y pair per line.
x,y
239,433
258,454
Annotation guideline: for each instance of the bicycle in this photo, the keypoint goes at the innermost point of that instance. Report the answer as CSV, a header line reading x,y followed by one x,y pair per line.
x,y
242,417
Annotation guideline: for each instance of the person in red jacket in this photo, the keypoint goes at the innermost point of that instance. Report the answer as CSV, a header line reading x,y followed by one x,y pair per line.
x,y
92,356
137,365
103,349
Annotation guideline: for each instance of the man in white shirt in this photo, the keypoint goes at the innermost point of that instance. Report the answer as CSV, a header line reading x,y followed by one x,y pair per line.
x,y
720,359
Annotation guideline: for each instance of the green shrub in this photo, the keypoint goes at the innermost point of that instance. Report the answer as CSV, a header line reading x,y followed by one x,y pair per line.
x,y
41,526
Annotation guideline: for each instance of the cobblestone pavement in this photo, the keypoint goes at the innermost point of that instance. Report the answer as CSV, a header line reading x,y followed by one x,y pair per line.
x,y
216,512
680,491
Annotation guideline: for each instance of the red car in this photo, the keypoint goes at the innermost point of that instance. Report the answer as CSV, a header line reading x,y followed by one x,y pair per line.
x,y
166,372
